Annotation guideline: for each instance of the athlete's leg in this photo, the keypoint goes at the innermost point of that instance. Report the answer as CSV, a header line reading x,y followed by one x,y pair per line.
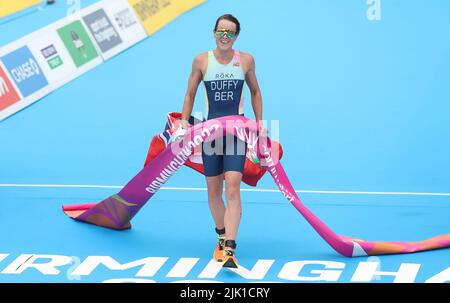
x,y
232,216
213,168
217,207
215,201
234,210
233,167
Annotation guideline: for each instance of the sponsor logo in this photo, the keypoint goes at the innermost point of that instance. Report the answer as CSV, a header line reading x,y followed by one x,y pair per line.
x,y
51,55
224,76
102,30
148,8
8,94
78,43
49,51
4,89
25,71
125,19
55,62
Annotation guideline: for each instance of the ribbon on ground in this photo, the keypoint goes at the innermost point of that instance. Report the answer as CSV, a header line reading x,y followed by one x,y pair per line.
x,y
117,211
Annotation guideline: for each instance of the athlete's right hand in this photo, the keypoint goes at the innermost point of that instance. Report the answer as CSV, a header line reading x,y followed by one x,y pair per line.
x,y
180,132
185,124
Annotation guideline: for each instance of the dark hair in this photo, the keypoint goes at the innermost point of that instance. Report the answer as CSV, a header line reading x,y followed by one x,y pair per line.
x,y
231,18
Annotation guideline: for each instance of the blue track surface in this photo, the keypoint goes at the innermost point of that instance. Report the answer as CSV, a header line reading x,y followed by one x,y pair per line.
x,y
362,107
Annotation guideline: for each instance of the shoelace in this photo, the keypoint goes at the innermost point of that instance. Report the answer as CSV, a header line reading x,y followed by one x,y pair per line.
x,y
229,252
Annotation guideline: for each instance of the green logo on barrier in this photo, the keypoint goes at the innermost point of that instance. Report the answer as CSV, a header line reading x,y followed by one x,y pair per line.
x,y
78,43
55,62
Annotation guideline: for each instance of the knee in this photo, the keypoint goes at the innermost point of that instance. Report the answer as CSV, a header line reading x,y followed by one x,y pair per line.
x,y
214,194
232,193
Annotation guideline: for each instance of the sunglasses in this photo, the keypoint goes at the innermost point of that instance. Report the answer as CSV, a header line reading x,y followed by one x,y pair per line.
x,y
229,33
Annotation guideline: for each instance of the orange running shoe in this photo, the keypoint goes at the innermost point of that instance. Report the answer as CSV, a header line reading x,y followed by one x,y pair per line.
x,y
229,259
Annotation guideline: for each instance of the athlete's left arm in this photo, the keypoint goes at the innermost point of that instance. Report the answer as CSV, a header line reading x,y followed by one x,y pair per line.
x,y
252,82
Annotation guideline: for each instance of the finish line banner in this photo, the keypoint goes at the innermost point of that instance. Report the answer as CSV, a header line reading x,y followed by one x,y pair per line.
x,y
8,7
116,211
154,14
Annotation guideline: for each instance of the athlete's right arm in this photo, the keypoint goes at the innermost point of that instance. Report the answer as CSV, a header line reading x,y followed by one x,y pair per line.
x,y
194,80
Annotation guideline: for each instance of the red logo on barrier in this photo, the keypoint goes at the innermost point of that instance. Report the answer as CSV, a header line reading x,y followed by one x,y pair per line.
x,y
8,94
